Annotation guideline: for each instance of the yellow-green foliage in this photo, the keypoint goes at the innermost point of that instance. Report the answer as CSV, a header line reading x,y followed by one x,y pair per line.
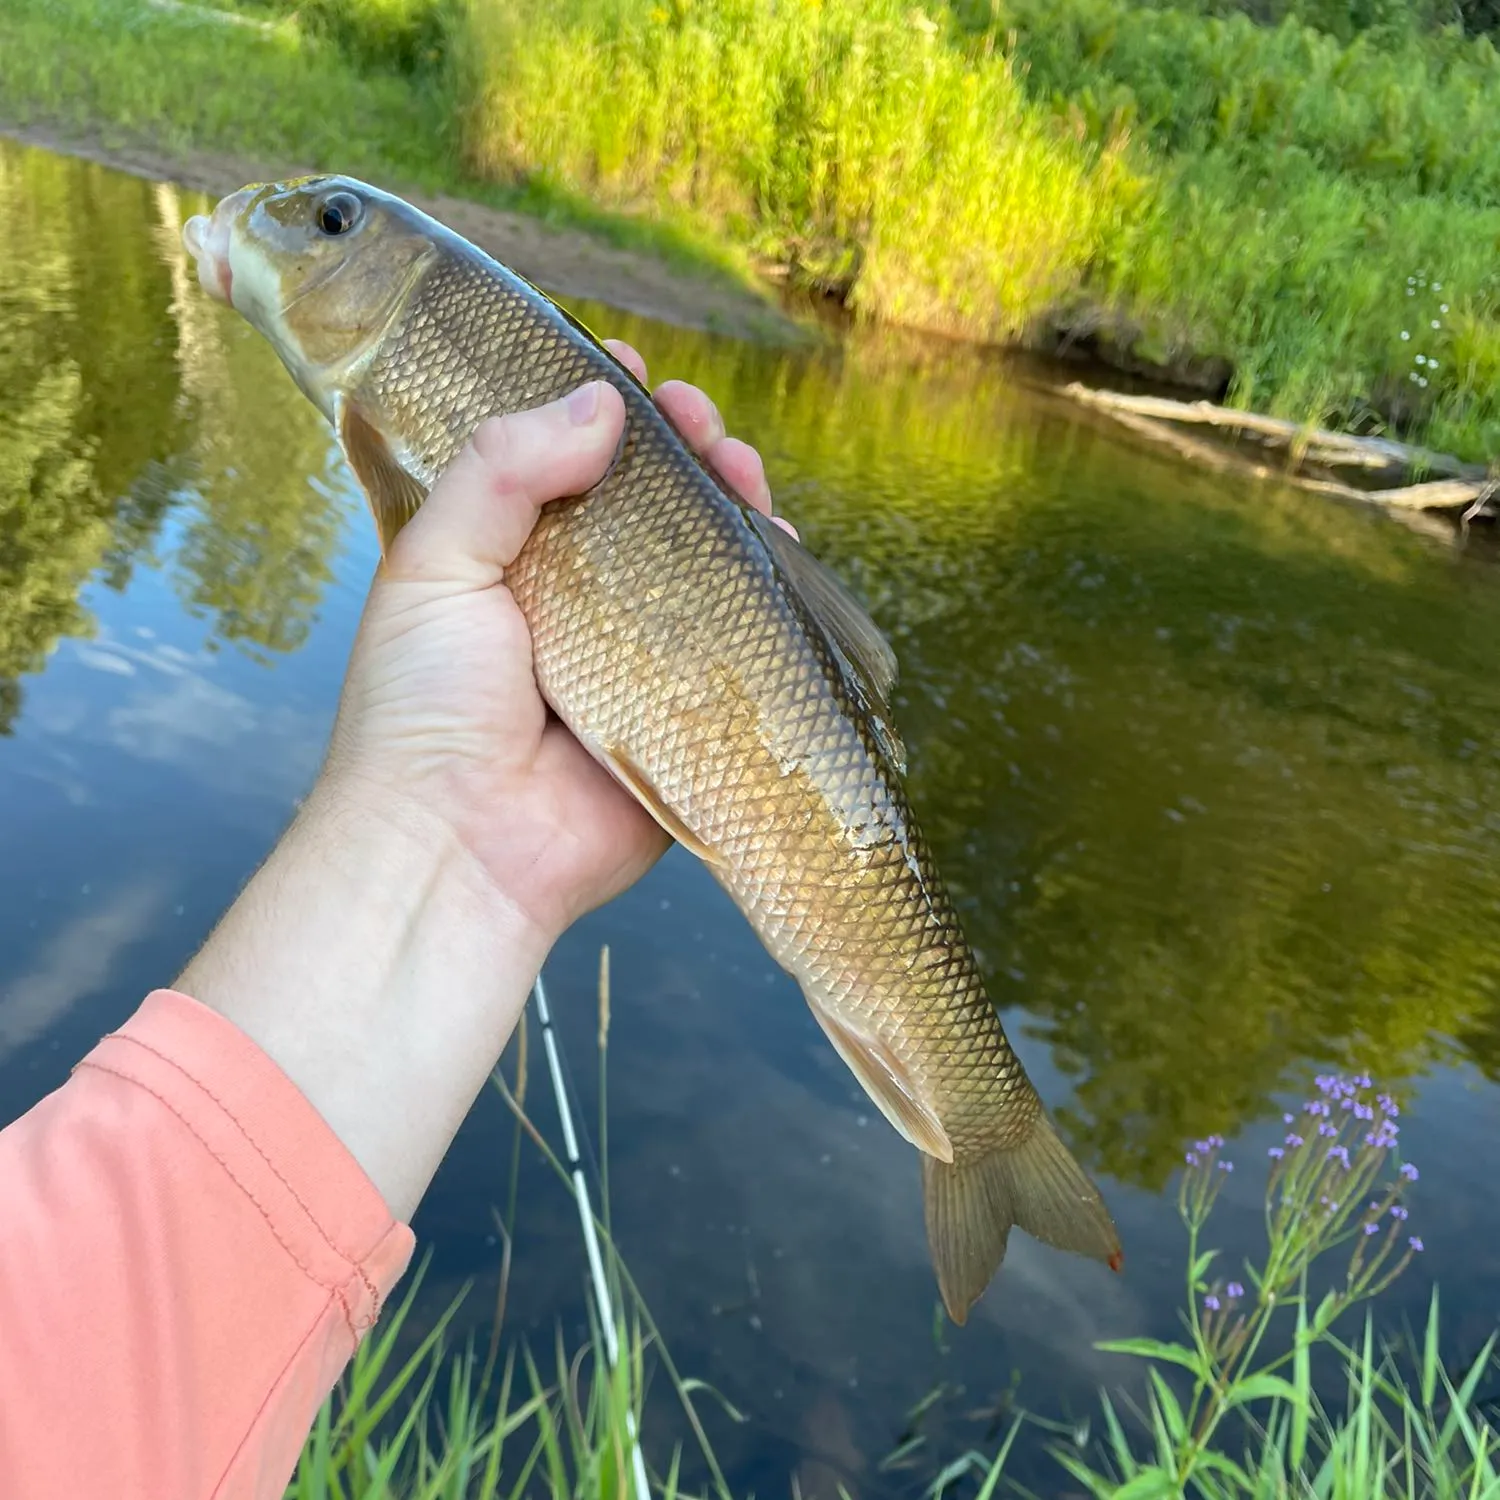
x,y
1189,188
1198,186
858,144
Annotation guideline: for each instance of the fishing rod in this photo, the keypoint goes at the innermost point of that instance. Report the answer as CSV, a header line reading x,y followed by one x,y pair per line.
x,y
604,1303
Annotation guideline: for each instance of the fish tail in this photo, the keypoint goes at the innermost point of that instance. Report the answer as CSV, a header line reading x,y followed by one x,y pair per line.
x,y
971,1205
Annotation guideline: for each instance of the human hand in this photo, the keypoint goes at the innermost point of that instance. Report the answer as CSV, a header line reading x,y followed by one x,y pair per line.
x,y
441,725
384,952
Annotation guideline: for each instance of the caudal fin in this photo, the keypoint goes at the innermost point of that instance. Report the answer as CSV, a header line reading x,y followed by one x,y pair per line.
x,y
1036,1185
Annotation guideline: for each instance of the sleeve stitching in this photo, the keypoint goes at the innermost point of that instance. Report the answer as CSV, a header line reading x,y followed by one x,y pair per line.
x,y
331,1287
256,1147
297,1356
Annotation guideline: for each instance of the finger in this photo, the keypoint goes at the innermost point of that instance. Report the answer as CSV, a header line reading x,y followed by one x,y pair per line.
x,y
482,509
739,466
691,413
736,462
627,357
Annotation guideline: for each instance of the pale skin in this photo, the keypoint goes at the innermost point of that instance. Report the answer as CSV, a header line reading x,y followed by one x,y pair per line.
x,y
383,953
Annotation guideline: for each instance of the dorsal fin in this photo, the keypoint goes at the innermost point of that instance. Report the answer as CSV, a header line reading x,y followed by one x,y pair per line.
x,y
869,664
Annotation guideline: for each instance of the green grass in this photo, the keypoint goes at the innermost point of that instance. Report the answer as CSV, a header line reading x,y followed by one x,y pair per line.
x,y
851,143
311,86
1176,186
1170,186
1232,1410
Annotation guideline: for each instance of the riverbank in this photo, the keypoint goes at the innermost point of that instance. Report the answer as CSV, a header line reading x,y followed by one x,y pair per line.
x,y
567,262
191,96
1297,222
1301,223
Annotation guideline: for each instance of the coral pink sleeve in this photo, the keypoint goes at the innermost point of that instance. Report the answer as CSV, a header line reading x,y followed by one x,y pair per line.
x,y
188,1257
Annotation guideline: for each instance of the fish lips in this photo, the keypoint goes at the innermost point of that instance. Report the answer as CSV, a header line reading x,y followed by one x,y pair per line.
x,y
207,240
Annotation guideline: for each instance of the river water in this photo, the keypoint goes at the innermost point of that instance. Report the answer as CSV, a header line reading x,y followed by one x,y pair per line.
x,y
1212,767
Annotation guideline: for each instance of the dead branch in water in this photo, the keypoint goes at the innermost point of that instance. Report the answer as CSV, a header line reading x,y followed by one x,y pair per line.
x,y
1467,488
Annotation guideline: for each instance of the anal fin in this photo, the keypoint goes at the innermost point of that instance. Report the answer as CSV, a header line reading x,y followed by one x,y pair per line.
x,y
639,785
884,1077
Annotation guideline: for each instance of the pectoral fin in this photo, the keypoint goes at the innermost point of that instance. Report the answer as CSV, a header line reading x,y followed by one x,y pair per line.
x,y
639,785
884,1077
393,495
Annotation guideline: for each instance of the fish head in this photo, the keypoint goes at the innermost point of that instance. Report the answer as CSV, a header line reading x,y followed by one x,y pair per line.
x,y
320,266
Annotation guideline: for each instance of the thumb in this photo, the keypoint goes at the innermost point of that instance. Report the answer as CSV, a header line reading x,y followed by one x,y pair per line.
x,y
475,521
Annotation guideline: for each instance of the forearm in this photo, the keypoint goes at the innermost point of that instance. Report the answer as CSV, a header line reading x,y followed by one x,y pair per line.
x,y
374,961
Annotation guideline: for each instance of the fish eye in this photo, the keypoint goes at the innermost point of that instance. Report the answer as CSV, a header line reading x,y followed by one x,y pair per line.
x,y
338,213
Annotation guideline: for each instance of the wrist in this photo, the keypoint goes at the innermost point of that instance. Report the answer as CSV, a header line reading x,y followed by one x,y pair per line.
x,y
375,962
406,862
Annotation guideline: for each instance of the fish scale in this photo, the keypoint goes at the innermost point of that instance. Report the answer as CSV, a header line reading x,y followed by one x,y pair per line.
x,y
695,651
814,905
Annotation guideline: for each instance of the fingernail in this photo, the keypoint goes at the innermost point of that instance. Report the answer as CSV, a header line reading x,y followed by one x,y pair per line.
x,y
583,404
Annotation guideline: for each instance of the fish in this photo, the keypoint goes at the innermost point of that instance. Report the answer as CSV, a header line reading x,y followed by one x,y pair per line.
x,y
727,678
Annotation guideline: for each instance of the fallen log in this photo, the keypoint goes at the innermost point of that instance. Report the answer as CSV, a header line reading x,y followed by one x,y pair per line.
x,y
1467,488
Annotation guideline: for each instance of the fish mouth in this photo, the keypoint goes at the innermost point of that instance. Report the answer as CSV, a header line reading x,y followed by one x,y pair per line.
x,y
207,240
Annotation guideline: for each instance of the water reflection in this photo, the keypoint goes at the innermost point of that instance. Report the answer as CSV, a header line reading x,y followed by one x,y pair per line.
x,y
1213,771
1205,763
122,407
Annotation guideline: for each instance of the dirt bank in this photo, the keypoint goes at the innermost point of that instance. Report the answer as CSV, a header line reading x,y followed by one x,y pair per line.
x,y
565,262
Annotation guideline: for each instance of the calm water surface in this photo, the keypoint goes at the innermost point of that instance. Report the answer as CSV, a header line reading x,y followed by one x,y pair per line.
x,y
1212,767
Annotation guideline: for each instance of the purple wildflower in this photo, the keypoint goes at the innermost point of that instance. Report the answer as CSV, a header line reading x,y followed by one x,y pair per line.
x,y
1397,1212
1191,1159
1235,1291
1409,1172
1363,1112
1289,1118
1216,1140
1388,1105
1364,1081
1347,1103
1226,1166
1211,1302
1294,1139
1339,1154
1415,1243
1326,1129
1371,1228
1276,1152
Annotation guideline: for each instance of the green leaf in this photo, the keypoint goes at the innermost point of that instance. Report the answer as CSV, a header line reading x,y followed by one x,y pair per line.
x,y
1176,1354
1201,1265
1328,1310
1302,1379
1149,1484
987,1490
1261,1387
1430,1354
1170,1411
1221,1463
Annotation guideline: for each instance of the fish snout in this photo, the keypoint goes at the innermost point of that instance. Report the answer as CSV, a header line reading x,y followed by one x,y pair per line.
x,y
207,240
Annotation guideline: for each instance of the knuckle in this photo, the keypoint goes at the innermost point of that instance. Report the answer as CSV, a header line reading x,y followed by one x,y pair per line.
x,y
495,441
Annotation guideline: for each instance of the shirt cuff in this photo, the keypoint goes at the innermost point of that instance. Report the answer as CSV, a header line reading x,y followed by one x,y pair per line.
x,y
316,1199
